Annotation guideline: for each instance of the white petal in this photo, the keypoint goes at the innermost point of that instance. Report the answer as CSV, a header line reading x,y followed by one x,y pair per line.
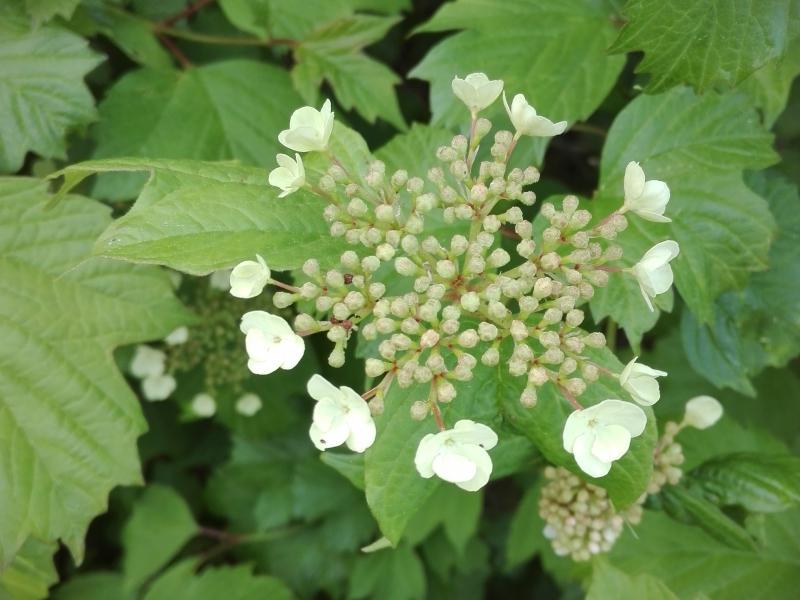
x,y
147,362
355,404
483,464
643,388
158,387
702,412
634,182
617,412
428,449
611,443
588,463
654,197
576,425
327,412
293,347
466,431
177,337
451,465
362,435
318,388
248,405
329,438
204,405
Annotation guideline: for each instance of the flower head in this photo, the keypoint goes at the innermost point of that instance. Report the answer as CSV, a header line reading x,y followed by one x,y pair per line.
x,y
702,412
204,405
459,455
525,120
289,175
309,129
640,382
341,416
601,434
653,271
648,199
249,277
477,91
271,344
248,405
147,362
158,387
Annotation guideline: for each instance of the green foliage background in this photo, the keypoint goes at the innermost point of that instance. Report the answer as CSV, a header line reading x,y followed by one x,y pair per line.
x,y
173,109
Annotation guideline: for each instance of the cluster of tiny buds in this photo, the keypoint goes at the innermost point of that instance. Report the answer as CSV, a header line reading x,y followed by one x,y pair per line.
x,y
465,298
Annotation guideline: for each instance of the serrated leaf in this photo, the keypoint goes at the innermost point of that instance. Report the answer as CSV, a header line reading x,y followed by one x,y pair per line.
x,y
161,523
199,217
689,561
334,53
554,52
769,87
391,574
281,19
759,326
609,582
31,573
544,424
723,228
231,582
230,109
41,91
44,10
706,43
95,585
68,421
415,150
755,482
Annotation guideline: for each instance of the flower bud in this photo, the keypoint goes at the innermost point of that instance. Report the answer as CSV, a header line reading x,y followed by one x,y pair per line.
x,y
405,266
538,376
470,302
429,339
468,338
519,331
375,367
283,299
445,391
419,410
498,258
595,340
311,267
491,357
487,331
528,398
340,311
543,287
702,412
336,357
575,317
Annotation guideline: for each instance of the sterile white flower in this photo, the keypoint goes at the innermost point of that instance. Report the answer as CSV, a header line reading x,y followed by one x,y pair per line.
x,y
271,344
702,412
640,382
309,129
248,405
158,387
147,362
653,271
203,405
341,416
289,176
249,277
600,434
648,199
178,336
525,120
458,455
477,91
221,280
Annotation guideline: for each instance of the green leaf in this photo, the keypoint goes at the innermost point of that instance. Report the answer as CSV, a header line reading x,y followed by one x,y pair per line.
x,y
389,574
769,87
96,585
44,10
609,582
198,217
415,150
756,482
231,582
350,466
525,538
554,52
161,523
690,561
225,110
705,44
280,19
456,510
31,573
544,425
759,326
70,436
723,228
41,91
334,53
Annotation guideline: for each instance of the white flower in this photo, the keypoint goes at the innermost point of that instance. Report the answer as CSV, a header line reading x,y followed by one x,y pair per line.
x,y
271,344
601,434
221,280
248,405
640,382
249,277
147,362
204,405
653,271
309,129
458,455
702,412
341,416
648,199
177,337
290,175
477,91
525,120
158,387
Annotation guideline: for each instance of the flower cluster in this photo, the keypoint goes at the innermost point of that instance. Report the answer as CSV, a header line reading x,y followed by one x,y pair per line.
x,y
465,299
580,519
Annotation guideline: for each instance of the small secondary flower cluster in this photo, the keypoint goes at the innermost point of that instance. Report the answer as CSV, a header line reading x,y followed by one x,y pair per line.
x,y
580,519
467,300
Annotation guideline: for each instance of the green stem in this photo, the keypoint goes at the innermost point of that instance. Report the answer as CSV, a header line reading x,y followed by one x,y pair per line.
x,y
611,334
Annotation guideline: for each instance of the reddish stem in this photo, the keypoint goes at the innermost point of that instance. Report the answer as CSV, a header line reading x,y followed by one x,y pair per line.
x,y
184,62
186,12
